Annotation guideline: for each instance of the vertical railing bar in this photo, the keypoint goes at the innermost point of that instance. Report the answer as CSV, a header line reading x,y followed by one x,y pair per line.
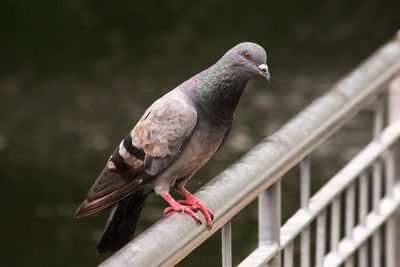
x,y
393,224
349,221
288,255
377,166
320,242
305,247
377,181
376,195
269,219
349,262
376,184
335,224
379,109
376,248
390,238
389,172
390,226
305,177
363,255
362,213
226,240
363,197
305,182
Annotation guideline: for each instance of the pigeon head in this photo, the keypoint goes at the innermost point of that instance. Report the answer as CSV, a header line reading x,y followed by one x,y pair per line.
x,y
248,58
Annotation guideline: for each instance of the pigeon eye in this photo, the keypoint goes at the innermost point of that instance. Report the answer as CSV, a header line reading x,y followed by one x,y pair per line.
x,y
247,55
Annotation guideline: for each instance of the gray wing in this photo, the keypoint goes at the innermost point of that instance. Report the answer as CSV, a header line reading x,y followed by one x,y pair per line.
x,y
153,144
163,131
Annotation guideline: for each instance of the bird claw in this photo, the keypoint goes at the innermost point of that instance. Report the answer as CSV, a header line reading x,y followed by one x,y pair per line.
x,y
195,205
183,209
189,205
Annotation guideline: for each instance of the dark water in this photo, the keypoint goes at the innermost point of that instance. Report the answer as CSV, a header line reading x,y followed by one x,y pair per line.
x,y
76,75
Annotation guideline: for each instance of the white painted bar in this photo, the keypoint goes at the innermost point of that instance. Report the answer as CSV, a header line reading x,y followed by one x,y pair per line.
x,y
349,262
305,178
335,223
362,197
288,256
269,219
261,256
361,233
349,219
226,240
337,184
363,255
305,247
393,109
320,240
362,213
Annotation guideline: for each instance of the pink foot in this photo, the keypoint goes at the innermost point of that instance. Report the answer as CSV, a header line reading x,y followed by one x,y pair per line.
x,y
194,204
175,206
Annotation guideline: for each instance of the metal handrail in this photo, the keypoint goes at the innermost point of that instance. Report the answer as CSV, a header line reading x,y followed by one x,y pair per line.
x,y
173,237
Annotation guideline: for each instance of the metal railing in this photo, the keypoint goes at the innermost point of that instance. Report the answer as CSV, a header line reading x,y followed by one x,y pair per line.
x,y
259,172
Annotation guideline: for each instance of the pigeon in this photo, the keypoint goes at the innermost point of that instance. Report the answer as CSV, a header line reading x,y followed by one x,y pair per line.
x,y
175,137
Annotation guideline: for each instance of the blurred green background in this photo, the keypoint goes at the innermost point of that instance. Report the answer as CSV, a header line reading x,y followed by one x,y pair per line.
x,y
75,76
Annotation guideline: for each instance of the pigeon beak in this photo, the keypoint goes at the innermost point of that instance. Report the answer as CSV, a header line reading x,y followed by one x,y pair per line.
x,y
264,71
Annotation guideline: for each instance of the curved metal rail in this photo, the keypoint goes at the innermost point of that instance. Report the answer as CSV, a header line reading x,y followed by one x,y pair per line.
x,y
172,238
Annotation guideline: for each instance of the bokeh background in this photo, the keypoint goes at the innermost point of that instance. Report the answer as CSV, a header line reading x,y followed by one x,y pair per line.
x,y
75,76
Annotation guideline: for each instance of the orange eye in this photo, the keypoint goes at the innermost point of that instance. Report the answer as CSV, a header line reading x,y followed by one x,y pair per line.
x,y
247,55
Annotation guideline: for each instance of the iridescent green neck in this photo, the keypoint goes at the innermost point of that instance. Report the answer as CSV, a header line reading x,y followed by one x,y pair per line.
x,y
212,80
218,89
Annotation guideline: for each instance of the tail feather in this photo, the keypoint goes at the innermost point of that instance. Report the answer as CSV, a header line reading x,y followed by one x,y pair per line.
x,y
91,206
121,223
87,208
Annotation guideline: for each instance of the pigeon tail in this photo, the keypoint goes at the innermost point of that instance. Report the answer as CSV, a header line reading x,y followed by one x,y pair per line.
x,y
121,223
91,206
